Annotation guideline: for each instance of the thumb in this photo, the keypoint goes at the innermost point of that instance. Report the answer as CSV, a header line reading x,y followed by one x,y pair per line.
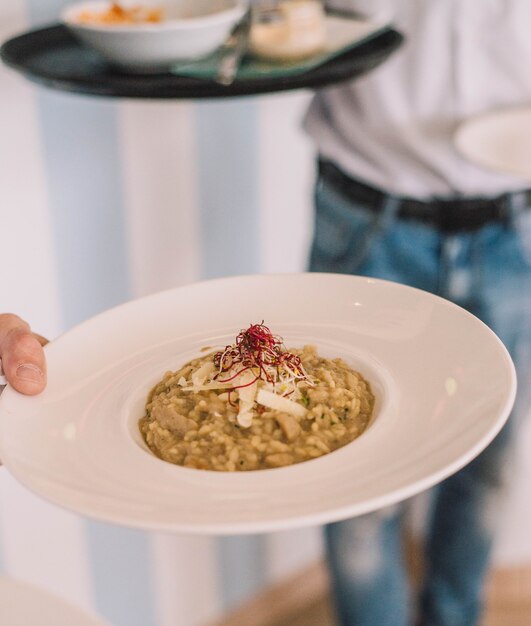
x,y
22,356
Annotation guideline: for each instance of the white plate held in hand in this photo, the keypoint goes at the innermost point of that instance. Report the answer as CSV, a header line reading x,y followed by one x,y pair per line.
x,y
499,140
444,386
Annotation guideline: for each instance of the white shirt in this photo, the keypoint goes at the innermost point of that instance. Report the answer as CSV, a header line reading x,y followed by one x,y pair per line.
x,y
393,127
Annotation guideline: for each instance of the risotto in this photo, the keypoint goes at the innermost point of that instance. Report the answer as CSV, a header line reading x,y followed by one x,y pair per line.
x,y
255,405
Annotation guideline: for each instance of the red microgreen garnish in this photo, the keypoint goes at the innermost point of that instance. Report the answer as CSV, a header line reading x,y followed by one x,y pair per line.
x,y
258,350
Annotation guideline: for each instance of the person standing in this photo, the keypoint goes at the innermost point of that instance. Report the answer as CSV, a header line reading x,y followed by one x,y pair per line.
x,y
395,200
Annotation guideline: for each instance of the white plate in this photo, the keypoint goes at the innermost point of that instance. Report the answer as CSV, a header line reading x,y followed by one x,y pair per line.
x,y
342,34
444,385
25,605
500,140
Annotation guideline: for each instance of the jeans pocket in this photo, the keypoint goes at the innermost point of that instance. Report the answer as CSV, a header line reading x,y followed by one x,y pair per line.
x,y
343,232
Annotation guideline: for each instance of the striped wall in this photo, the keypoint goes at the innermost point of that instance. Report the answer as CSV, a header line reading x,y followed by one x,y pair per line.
x,y
102,201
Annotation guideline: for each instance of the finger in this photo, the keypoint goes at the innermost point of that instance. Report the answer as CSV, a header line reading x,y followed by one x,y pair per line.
x,y
22,356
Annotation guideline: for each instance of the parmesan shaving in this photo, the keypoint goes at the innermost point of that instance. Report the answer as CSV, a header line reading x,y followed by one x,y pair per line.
x,y
200,375
247,395
279,403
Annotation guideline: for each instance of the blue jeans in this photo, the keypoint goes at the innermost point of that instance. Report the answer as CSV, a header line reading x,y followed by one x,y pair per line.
x,y
489,273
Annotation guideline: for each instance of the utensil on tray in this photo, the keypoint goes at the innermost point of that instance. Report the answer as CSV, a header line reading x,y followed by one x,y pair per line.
x,y
234,50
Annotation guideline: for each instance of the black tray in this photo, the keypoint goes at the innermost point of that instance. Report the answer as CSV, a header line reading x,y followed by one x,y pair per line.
x,y
53,57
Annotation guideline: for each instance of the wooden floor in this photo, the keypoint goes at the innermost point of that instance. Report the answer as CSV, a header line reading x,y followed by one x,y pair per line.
x,y
304,601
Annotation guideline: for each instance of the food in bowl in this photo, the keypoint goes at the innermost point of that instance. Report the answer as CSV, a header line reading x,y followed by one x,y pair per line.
x,y
293,31
187,30
118,14
255,405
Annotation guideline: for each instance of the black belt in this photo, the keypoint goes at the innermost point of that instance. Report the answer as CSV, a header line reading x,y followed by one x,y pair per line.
x,y
448,215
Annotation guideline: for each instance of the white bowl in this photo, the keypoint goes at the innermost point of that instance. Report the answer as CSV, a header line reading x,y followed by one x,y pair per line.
x,y
190,30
